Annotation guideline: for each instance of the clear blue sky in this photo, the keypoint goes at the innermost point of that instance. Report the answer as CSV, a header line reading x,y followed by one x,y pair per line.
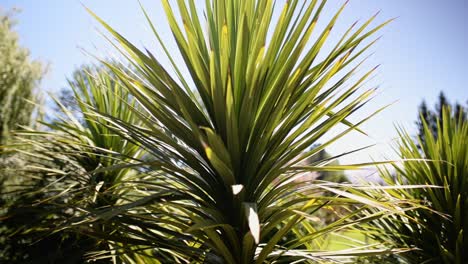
x,y
422,52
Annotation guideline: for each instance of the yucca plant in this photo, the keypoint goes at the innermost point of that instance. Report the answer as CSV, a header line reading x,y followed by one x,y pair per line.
x,y
439,233
225,141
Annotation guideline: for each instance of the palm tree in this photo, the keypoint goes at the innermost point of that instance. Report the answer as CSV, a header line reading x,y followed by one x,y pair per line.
x,y
229,136
224,143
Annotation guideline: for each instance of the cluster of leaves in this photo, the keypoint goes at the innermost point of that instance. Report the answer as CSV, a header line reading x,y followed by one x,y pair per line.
x,y
442,160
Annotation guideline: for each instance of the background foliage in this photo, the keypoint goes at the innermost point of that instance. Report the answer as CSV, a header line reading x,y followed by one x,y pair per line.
x,y
440,160
18,78
430,117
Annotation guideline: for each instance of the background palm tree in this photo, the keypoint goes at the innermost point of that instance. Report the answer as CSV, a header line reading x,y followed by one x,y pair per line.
x,y
441,160
60,177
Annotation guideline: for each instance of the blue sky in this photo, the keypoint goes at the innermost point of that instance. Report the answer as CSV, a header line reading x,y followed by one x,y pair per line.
x,y
422,52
